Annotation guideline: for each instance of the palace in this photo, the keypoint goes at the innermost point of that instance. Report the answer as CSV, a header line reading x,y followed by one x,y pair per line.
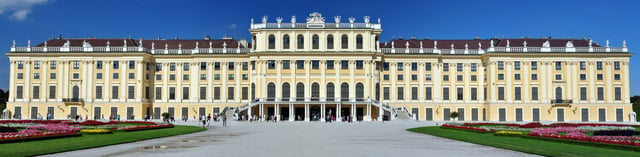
x,y
310,70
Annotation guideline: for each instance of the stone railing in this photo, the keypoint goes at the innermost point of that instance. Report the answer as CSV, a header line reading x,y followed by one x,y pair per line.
x,y
432,51
316,25
129,49
504,49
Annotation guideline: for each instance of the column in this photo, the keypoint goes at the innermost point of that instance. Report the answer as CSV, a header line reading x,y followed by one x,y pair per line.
x,y
306,112
250,115
380,113
338,112
261,112
368,118
276,111
140,78
291,115
210,83
322,112
353,113
12,81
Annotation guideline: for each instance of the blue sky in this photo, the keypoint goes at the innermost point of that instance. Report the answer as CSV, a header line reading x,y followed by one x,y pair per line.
x,y
39,20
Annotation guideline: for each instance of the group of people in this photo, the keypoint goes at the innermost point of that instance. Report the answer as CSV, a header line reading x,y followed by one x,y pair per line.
x,y
206,120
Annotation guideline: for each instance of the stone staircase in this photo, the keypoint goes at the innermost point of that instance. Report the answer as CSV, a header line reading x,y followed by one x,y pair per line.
x,y
403,115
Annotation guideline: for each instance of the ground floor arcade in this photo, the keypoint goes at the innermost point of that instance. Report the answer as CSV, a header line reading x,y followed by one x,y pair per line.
x,y
314,112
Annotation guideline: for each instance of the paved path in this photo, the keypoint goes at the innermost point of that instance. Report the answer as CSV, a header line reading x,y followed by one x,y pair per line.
x,y
284,139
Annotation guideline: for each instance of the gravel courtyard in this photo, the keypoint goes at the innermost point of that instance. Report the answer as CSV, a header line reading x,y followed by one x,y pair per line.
x,y
284,139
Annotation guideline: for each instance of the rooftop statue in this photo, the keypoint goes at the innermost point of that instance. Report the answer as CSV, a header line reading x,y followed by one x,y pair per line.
x,y
546,44
315,17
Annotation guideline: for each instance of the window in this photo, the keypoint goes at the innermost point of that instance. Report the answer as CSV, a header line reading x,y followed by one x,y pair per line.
x,y
330,41
414,93
271,64
618,93
52,92
500,76
245,76
300,92
534,93
400,77
516,65
616,76
558,65
172,93
518,93
445,93
18,92
534,65
400,66
459,67
599,77
132,64
203,93
459,93
599,65
245,93
216,93
132,75
474,93
427,77
583,77
330,64
216,76
558,77
428,93
414,66
500,93
474,67
474,77
516,76
185,77
534,76
185,93
130,92
36,76
285,41
345,42
500,65
445,66
285,64
172,77
98,76
583,65
52,64
36,64
203,76
300,42
36,92
203,65
315,91
459,78
116,64
414,77
76,65
385,66
114,92
20,76
299,64
245,66
600,91
616,65
158,67
359,64
330,91
75,76
445,77
583,93
385,93
359,41
52,76
172,66
216,65
400,93
272,41
158,93
558,94
20,65
230,77
385,77
344,64
231,66
315,42
315,64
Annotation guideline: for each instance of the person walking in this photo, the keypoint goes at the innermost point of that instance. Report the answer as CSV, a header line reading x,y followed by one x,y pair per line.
x,y
118,117
208,120
224,120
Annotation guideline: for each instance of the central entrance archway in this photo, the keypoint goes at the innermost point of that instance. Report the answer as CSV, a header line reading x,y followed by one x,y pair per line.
x,y
314,113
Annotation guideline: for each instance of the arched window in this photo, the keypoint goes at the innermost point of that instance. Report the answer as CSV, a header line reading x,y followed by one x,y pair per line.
x,y
315,42
286,91
300,92
344,92
285,41
359,41
272,41
300,41
76,93
345,41
558,94
359,92
330,92
315,92
255,44
271,92
253,91
329,41
377,41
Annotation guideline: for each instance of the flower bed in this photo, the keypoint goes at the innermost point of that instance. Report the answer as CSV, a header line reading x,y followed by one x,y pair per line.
x,y
145,127
508,133
95,122
33,135
95,131
59,127
467,128
136,122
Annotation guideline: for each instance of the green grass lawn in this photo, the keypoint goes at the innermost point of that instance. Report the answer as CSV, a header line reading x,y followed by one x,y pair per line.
x,y
532,146
89,141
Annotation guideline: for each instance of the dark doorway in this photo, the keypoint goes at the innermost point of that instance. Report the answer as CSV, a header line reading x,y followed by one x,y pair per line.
x,y
359,113
299,112
270,112
345,112
314,113
284,113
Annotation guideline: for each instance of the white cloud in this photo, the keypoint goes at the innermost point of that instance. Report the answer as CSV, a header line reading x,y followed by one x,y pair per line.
x,y
232,26
18,10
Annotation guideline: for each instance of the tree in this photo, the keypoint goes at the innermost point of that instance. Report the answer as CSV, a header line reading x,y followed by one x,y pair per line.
x,y
166,116
454,115
4,96
636,105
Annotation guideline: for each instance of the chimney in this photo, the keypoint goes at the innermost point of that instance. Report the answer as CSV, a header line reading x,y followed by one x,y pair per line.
x,y
243,42
207,37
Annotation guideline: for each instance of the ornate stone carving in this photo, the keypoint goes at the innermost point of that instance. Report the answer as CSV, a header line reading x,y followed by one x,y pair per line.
x,y
315,17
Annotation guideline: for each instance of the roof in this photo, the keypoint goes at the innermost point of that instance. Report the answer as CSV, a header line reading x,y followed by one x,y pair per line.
x,y
485,43
157,43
